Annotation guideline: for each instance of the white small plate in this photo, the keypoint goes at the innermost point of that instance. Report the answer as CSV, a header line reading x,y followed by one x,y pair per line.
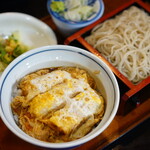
x,y
33,32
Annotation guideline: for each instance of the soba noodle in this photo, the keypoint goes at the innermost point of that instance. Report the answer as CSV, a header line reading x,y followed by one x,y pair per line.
x,y
125,42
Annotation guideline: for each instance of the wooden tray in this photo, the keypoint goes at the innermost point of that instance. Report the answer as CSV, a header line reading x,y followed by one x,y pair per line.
x,y
132,89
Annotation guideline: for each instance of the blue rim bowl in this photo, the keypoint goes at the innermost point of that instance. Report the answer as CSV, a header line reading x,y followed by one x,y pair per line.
x,y
84,22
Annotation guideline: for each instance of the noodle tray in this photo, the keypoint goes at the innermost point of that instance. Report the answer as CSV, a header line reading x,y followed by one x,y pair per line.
x,y
121,38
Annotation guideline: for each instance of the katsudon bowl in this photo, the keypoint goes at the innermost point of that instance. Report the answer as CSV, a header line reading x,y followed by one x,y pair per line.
x,y
55,56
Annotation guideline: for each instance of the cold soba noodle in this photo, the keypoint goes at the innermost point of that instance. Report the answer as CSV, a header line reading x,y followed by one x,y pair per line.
x,y
125,42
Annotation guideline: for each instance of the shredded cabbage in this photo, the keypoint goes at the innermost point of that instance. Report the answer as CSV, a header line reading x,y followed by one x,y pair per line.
x,y
73,10
70,4
79,13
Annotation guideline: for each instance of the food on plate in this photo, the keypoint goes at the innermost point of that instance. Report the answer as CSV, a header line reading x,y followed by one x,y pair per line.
x,y
125,42
74,10
57,104
10,48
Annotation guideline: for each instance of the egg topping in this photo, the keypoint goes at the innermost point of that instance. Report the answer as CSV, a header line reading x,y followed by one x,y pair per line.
x,y
59,102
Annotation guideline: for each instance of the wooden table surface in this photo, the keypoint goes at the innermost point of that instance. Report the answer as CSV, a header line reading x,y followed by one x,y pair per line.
x,y
120,125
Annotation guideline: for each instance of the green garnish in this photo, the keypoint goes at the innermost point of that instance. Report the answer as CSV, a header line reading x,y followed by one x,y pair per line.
x,y
57,6
10,48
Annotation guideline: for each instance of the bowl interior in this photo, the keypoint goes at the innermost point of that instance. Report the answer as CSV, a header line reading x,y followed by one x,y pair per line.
x,y
53,56
94,17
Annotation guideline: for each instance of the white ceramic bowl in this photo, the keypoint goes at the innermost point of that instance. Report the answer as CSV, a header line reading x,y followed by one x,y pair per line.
x,y
52,56
33,32
67,27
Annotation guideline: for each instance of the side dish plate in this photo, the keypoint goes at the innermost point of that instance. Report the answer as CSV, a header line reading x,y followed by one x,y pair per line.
x,y
33,32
